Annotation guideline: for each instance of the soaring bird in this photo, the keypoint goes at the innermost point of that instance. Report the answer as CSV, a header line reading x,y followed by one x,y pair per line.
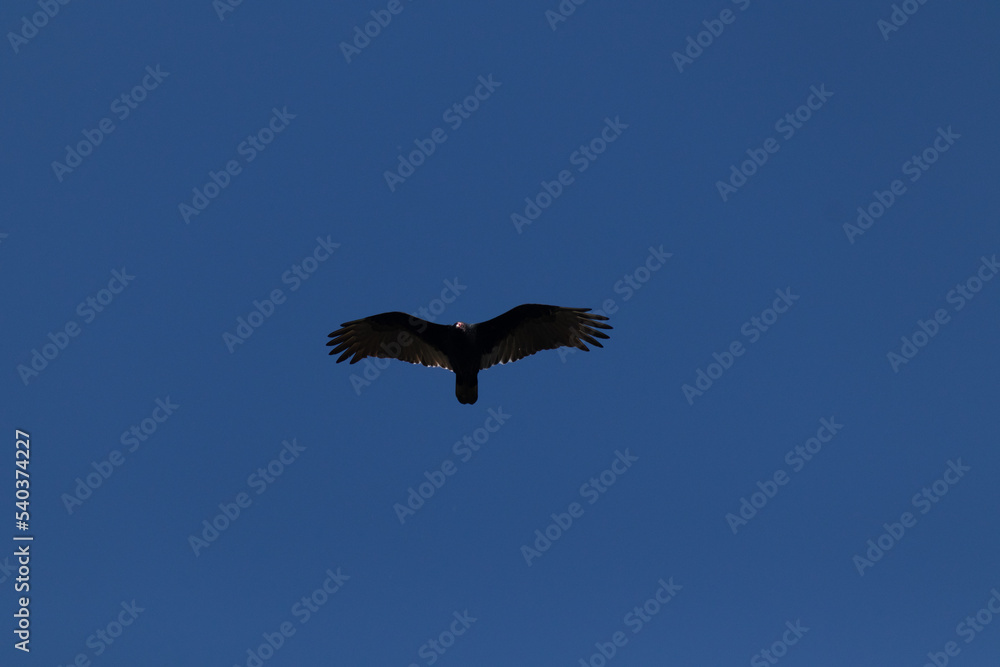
x,y
464,348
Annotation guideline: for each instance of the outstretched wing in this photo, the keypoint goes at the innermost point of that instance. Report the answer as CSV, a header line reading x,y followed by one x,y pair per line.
x,y
393,336
533,327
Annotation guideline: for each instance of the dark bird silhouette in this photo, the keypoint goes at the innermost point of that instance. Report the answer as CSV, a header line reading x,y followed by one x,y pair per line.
x,y
464,348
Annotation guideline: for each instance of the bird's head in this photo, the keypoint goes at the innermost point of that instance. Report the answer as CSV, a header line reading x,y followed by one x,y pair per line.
x,y
461,326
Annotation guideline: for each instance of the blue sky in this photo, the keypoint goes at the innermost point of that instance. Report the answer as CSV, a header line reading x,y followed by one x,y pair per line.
x,y
784,453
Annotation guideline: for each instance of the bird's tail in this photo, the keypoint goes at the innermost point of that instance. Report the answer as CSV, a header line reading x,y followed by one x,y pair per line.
x,y
467,389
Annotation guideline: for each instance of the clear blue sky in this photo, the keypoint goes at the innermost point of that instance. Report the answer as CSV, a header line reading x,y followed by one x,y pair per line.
x,y
789,212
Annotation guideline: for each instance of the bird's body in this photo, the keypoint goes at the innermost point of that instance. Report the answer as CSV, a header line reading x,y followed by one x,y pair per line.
x,y
464,348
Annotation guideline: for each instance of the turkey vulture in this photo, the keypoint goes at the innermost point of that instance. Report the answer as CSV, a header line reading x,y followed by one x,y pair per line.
x,y
464,348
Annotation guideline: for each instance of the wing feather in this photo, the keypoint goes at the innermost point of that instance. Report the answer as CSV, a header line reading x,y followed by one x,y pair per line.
x,y
531,328
393,335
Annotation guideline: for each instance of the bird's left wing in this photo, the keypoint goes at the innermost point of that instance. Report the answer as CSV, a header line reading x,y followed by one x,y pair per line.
x,y
533,327
392,335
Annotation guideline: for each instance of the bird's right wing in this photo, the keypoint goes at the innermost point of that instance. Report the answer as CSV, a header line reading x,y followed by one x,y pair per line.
x,y
392,336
